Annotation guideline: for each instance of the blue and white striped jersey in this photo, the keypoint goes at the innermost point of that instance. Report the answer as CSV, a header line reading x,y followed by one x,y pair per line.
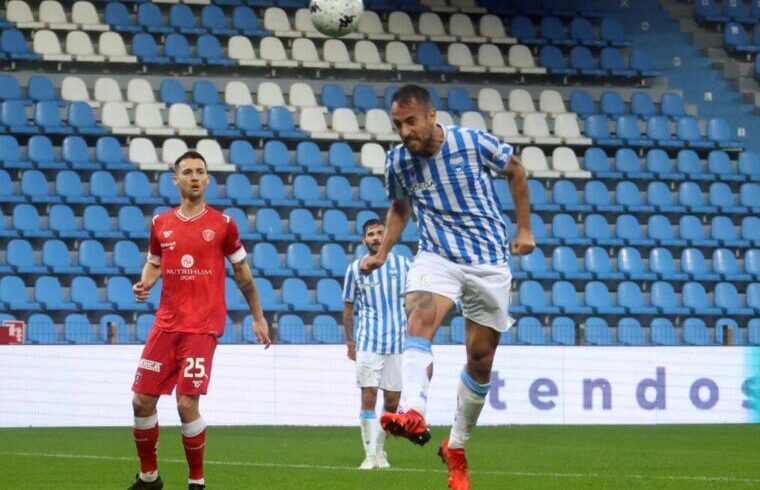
x,y
379,302
453,197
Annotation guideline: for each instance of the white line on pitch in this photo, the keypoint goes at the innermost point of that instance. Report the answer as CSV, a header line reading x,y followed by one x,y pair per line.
x,y
726,479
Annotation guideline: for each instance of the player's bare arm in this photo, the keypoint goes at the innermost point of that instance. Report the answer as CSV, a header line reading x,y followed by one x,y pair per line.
x,y
150,274
524,242
244,280
395,221
348,326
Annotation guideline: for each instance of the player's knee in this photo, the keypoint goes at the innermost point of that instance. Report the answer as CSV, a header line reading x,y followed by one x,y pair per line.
x,y
187,407
143,406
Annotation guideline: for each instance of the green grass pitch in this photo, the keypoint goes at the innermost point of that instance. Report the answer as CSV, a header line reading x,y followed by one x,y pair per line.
x,y
536,457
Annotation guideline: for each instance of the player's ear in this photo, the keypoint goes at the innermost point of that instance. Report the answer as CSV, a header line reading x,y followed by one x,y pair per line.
x,y
174,179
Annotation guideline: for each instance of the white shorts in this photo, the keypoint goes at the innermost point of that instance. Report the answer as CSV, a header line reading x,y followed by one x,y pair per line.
x,y
378,371
483,289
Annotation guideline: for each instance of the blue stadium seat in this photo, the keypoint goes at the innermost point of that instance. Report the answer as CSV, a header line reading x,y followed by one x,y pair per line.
x,y
642,105
522,28
727,298
582,32
726,328
272,189
530,332
7,191
365,215
596,128
75,152
14,295
749,163
309,156
429,56
80,117
77,329
339,190
659,196
627,128
10,152
333,259
298,257
582,103
598,297
291,330
627,194
663,332
113,329
325,330
205,93
126,256
598,332
333,97
672,105
303,225
658,129
539,198
150,18
40,88
181,18
752,263
341,157
565,229
308,192
687,129
582,60
178,50
660,229
565,194
631,298
335,223
753,331
296,295
42,153
35,188
630,332
330,295
664,299
268,297
565,297
723,199
753,297
409,234
695,298
55,256
534,265
628,163
92,256
241,221
554,32
269,224
565,262
631,264
147,51
660,164
688,163
719,132
96,221
598,264
27,220
533,300
692,230
751,229
240,190
642,62
563,331
612,61
719,164
612,104
276,155
598,230
248,121
232,296
143,325
628,229
166,188
230,334
214,118
246,22
63,223
14,45
9,88
695,332
693,263
171,92
108,152
69,186
20,257
213,194
372,192
661,262
749,196
280,120
267,261
551,58
138,189
214,20
364,97
459,100
118,18
611,31
457,331
40,329
104,189
736,39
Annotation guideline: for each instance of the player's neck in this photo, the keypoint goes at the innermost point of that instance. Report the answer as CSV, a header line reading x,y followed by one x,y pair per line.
x,y
435,142
190,208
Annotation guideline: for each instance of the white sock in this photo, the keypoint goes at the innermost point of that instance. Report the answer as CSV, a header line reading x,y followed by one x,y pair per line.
x,y
143,423
149,477
368,424
415,383
379,439
192,429
201,481
471,397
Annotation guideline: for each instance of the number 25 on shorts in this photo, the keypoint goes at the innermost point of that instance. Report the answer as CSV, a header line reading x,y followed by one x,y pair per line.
x,y
195,367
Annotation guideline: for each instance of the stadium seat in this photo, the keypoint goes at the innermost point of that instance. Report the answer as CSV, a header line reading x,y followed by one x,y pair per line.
x,y
663,332
27,221
296,295
630,332
35,188
664,299
727,298
693,263
598,264
692,230
599,298
534,265
335,223
75,152
565,297
68,185
113,330
92,257
530,332
727,332
598,332
298,257
563,331
661,262
325,330
55,256
291,330
631,298
77,329
14,295
333,259
21,258
232,296
269,224
41,330
126,256
725,264
695,298
533,299
695,332
329,295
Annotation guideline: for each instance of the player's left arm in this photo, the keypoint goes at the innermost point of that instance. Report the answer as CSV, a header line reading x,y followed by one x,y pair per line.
x,y
524,242
247,286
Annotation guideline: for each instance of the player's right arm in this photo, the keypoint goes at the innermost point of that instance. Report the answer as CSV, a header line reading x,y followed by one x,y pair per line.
x,y
349,295
152,269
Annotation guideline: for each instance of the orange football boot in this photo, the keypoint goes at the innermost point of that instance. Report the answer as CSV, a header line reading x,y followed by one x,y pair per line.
x,y
410,425
456,461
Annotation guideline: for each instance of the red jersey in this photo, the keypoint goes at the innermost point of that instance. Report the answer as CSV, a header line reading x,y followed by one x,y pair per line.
x,y
191,253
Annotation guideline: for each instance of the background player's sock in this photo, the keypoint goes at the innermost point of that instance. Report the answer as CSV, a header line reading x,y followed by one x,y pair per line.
x,y
379,439
146,440
368,423
194,441
417,357
471,396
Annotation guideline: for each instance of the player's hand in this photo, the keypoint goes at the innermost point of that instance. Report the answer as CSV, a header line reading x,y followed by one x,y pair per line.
x,y
141,291
261,331
351,350
370,263
524,242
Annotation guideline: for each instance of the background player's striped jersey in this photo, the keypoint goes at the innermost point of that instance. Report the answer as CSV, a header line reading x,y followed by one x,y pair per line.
x,y
379,303
453,196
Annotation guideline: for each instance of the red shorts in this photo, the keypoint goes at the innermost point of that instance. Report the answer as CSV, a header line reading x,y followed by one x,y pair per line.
x,y
172,359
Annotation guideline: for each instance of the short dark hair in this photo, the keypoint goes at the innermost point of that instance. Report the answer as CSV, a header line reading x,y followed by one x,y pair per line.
x,y
370,223
189,155
409,92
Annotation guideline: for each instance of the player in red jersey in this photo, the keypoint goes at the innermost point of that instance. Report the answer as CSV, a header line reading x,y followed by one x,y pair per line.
x,y
188,246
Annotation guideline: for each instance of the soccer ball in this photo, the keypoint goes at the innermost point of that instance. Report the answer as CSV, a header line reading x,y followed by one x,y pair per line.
x,y
336,18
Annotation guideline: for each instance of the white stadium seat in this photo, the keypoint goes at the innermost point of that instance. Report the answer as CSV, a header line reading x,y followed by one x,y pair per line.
x,y
431,26
304,24
565,161
379,125
373,157
312,120
492,28
171,149
182,119
269,94
371,27
335,51
143,153
114,115
521,58
19,13
345,123
214,156
400,25
566,127
149,119
490,101
46,43
444,118
236,93
111,45
239,48
489,56
86,17
504,126
78,45
52,14
535,126
276,20
398,54
550,101
460,25
305,53
108,90
521,102
365,52
73,89
473,119
460,56
273,52
534,161
139,91
301,95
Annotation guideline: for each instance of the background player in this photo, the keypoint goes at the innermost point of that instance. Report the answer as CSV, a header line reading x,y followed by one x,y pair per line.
x,y
379,338
442,174
188,246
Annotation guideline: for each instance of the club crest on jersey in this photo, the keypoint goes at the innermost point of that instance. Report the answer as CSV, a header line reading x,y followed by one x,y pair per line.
x,y
208,234
187,261
168,233
197,383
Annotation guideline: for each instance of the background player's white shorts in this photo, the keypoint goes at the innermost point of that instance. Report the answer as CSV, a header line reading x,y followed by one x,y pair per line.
x,y
483,289
378,371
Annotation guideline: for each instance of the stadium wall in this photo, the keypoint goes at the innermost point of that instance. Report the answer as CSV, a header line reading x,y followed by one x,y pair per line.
x,y
314,385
